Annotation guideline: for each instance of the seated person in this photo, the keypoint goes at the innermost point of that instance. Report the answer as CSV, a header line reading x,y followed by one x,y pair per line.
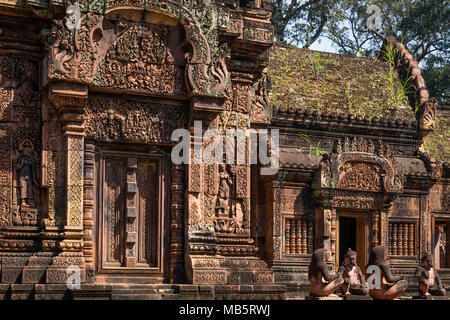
x,y
322,284
430,283
354,281
391,286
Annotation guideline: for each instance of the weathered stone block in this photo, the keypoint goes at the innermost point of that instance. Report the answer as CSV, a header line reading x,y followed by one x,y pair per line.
x,y
11,274
33,274
60,275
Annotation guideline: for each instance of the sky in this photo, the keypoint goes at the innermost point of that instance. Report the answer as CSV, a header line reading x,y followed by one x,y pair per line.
x,y
324,45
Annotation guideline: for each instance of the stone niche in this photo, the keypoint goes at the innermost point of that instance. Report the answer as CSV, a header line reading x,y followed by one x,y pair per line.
x,y
20,135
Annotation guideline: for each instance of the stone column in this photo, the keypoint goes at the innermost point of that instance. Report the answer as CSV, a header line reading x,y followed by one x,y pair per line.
x,y
326,234
130,209
376,217
425,225
88,208
176,251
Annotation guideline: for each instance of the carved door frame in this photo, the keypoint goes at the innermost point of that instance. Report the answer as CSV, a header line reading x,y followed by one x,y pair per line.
x,y
442,218
162,238
363,230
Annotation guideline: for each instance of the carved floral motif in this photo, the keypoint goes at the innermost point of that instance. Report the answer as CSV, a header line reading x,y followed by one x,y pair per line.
x,y
127,120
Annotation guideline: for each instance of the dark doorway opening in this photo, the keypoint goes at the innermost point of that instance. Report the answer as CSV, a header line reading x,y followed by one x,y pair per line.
x,y
347,235
441,244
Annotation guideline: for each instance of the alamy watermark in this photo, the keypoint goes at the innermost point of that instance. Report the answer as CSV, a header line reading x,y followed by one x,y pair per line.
x,y
212,147
73,20
375,20
73,274
374,280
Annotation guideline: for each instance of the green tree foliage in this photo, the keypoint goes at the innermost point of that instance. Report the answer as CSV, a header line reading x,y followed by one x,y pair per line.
x,y
422,25
300,22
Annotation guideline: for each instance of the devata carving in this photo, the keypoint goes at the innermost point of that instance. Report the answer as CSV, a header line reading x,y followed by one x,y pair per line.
x,y
20,143
127,120
230,212
27,177
223,198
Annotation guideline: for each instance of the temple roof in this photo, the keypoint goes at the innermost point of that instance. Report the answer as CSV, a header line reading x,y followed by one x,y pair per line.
x,y
308,79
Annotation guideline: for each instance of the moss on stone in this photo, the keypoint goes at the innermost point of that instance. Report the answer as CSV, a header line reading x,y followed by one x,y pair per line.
x,y
437,144
333,82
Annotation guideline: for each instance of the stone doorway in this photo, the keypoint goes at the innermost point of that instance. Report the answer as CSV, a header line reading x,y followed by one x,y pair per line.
x,y
131,214
352,234
441,244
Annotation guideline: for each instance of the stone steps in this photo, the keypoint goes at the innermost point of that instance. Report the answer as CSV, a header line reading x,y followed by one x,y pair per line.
x,y
125,291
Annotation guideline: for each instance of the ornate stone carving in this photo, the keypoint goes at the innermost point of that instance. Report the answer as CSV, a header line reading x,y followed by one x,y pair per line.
x,y
232,120
434,167
27,183
356,200
427,116
27,177
223,197
360,164
292,201
75,181
209,79
136,121
74,54
140,59
21,143
360,176
15,72
261,106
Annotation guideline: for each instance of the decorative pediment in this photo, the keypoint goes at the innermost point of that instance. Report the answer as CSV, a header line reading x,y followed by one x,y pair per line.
x,y
359,164
124,45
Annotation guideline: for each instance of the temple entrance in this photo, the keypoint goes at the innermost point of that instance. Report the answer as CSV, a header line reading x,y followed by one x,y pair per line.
x,y
441,242
352,234
131,219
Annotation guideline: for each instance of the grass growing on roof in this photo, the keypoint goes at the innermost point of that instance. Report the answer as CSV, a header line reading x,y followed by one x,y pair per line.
x,y
326,81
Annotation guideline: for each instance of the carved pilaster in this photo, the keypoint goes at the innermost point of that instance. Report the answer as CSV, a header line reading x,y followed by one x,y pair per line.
x,y
375,228
130,224
69,100
88,208
384,236
176,259
325,219
425,229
